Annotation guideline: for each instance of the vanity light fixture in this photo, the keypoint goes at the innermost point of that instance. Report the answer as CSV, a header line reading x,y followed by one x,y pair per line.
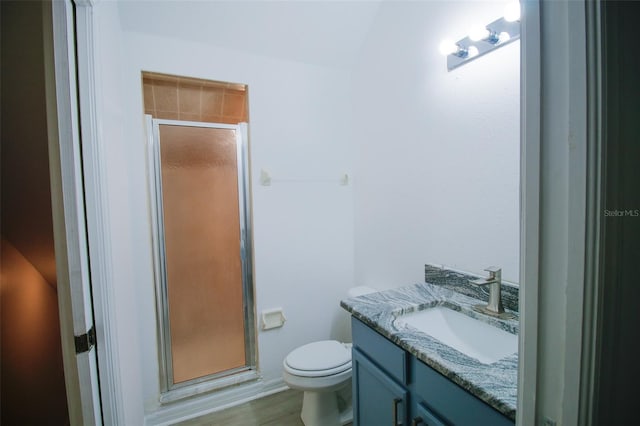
x,y
480,32
483,39
448,47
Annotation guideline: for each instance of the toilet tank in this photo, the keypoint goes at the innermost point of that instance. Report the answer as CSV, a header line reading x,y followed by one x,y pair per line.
x,y
344,323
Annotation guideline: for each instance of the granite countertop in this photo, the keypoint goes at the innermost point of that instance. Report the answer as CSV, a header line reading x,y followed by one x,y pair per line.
x,y
496,383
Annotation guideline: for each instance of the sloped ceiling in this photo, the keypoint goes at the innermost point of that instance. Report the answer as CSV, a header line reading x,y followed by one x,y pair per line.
x,y
325,33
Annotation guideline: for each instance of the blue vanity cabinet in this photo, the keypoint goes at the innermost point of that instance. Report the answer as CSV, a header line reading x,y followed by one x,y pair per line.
x,y
393,387
380,395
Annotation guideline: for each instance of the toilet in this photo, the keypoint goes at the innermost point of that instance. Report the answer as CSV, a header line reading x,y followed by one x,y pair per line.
x,y
323,371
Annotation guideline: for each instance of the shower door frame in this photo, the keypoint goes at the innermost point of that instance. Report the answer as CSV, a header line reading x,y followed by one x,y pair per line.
x,y
173,391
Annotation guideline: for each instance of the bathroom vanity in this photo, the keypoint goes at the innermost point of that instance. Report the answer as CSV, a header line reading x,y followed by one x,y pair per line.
x,y
403,376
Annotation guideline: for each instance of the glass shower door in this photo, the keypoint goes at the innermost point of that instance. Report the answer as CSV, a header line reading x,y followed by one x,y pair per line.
x,y
203,263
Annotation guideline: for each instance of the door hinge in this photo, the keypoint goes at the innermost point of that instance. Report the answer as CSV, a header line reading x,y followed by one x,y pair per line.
x,y
86,341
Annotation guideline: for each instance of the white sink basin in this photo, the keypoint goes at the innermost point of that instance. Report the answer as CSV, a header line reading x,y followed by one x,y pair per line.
x,y
470,336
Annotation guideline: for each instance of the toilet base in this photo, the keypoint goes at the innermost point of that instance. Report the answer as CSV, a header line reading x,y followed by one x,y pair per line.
x,y
326,408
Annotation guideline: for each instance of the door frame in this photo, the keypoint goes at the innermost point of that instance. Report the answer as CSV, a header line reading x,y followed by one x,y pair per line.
x,y
530,132
67,207
579,283
596,158
82,201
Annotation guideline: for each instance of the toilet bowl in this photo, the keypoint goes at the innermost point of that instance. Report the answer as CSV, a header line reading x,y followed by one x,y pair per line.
x,y
323,371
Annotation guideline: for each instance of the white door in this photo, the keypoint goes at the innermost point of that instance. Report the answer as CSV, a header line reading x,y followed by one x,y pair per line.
x,y
68,205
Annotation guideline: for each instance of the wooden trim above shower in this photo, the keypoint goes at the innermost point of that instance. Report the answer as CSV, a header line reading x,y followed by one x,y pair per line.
x,y
192,99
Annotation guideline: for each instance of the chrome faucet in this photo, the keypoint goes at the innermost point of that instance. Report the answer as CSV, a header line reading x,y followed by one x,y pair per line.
x,y
494,281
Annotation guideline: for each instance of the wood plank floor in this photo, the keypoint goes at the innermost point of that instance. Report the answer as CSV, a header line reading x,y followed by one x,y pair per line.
x,y
280,409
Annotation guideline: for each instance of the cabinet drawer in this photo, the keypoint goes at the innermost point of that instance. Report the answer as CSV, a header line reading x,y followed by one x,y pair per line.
x,y
383,352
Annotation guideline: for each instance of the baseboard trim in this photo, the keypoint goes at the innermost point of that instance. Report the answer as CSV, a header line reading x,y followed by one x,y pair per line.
x,y
187,409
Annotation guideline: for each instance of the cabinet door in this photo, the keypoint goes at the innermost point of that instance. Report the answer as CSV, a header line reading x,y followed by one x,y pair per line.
x,y
423,417
453,403
377,399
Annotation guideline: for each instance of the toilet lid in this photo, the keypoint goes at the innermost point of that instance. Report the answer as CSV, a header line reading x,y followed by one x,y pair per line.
x,y
320,356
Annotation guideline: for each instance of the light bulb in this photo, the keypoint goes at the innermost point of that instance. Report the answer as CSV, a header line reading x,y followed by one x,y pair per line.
x,y
503,37
447,47
472,51
512,11
478,32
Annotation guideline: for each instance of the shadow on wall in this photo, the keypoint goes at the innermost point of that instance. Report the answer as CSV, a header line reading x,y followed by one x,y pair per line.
x,y
32,378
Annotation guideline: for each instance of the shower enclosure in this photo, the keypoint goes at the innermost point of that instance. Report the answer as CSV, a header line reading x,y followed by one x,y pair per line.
x,y
202,251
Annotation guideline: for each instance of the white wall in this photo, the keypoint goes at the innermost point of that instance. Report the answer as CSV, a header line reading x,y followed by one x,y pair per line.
x,y
437,152
303,230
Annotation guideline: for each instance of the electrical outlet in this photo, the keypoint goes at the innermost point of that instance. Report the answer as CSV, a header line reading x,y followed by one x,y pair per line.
x,y
548,422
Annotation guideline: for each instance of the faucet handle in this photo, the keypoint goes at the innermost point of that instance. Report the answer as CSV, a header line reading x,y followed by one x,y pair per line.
x,y
495,276
494,272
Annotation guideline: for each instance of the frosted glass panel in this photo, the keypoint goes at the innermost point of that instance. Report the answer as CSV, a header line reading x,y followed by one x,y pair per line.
x,y
202,241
